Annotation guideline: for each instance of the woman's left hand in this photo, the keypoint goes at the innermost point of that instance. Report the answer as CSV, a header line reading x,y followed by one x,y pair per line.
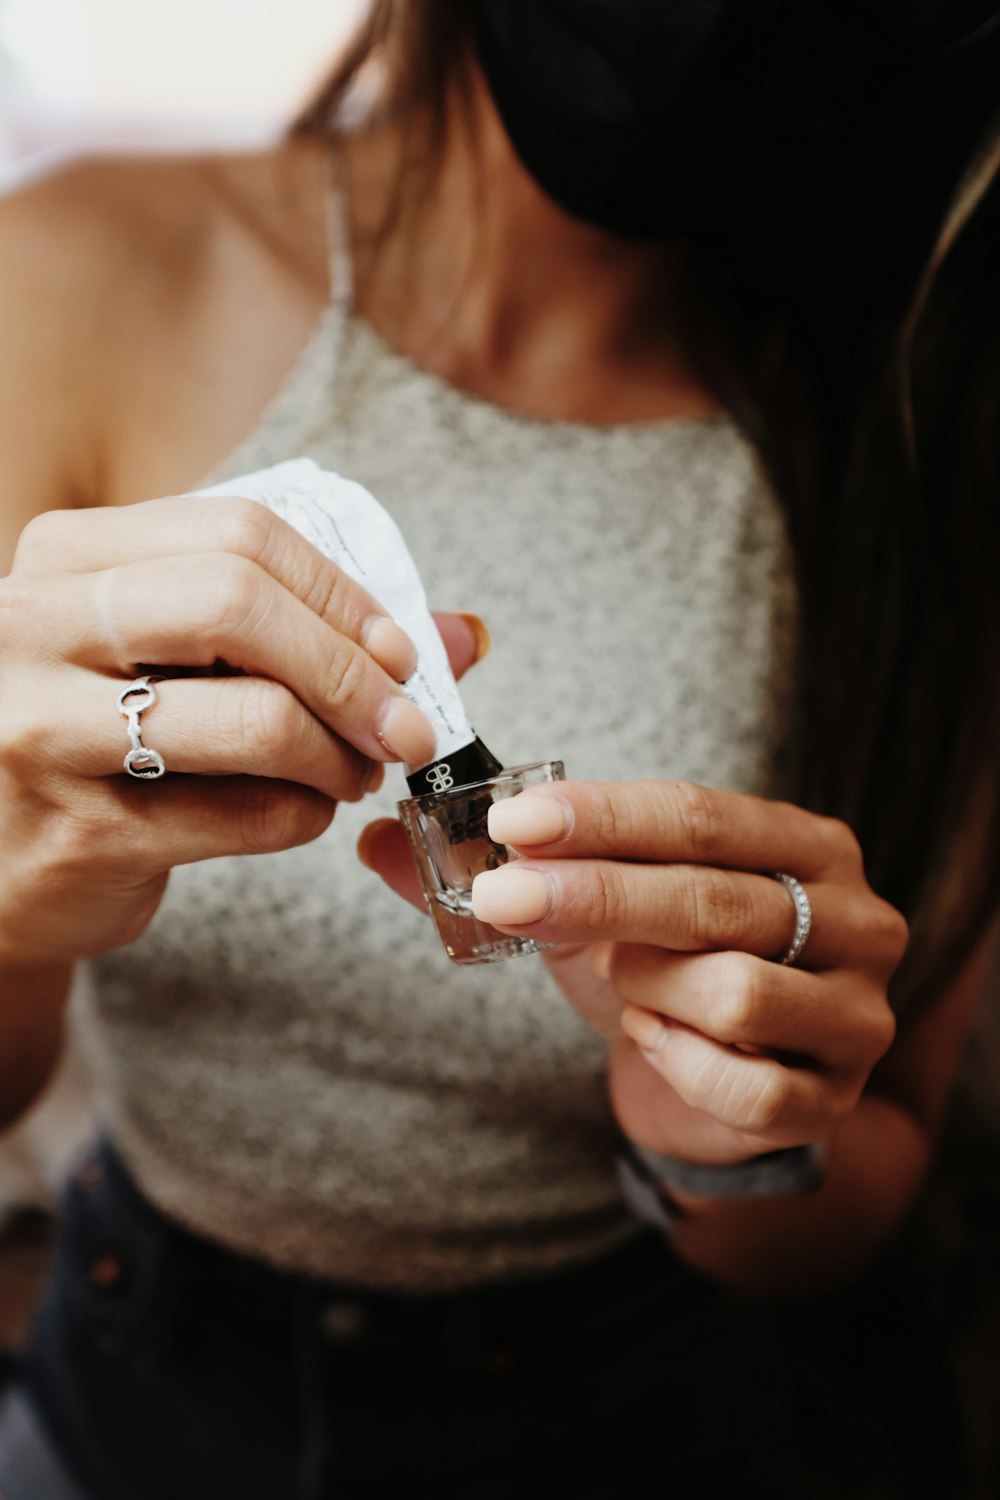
x,y
669,929
718,1051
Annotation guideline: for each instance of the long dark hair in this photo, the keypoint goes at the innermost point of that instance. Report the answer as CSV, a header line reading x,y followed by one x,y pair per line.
x,y
871,388
932,444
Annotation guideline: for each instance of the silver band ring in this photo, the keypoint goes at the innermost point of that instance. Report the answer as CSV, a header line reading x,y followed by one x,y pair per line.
x,y
133,700
803,916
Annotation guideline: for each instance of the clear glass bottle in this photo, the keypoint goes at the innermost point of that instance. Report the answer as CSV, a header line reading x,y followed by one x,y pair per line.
x,y
451,846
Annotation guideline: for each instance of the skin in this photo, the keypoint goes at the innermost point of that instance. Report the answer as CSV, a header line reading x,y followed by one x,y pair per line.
x,y
123,376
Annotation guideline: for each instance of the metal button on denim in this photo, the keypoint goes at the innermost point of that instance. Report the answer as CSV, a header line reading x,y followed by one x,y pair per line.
x,y
107,1271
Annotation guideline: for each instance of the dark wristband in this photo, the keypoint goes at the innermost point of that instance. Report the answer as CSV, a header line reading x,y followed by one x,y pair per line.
x,y
647,1178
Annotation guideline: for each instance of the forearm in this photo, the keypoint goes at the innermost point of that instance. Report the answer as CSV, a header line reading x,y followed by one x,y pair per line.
x,y
795,1245
32,1005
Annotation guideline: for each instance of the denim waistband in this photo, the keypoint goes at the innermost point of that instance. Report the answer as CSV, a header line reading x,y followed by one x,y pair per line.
x,y
631,1281
164,1365
153,1340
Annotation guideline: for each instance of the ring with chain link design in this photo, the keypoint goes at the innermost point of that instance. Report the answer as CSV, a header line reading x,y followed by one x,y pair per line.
x,y
133,700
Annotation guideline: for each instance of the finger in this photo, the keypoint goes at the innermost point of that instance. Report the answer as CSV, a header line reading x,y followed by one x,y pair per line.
x,y
206,726
383,847
192,611
687,908
466,640
149,827
579,972
839,1021
691,909
93,540
758,1096
672,821
654,1115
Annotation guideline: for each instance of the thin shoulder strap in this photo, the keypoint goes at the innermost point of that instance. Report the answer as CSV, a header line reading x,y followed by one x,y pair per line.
x,y
338,241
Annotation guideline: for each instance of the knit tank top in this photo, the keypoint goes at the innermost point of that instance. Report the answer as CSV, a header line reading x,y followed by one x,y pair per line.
x,y
286,1059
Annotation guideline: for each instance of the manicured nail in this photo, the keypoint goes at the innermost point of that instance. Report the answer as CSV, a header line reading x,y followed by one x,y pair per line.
x,y
510,897
600,959
406,732
480,632
649,1030
527,819
390,646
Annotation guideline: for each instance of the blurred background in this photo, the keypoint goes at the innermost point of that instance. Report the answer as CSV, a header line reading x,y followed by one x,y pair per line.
x,y
95,74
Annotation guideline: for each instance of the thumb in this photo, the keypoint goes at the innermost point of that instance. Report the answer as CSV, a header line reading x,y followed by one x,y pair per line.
x,y
384,848
466,640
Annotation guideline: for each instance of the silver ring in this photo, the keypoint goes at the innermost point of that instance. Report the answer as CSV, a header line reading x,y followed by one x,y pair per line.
x,y
133,700
803,916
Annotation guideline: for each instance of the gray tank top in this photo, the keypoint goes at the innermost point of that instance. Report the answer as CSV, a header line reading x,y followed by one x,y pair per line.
x,y
286,1059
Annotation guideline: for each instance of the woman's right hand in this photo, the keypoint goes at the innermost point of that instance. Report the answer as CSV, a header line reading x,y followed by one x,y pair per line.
x,y
97,596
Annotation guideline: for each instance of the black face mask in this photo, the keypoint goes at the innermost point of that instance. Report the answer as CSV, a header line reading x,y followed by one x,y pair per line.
x,y
655,118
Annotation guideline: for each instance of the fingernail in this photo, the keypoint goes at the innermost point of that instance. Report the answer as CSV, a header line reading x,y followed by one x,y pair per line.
x,y
649,1030
406,733
510,897
390,646
527,819
480,632
600,960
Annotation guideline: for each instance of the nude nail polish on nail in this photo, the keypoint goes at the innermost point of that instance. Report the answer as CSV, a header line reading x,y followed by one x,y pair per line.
x,y
528,820
511,897
390,646
645,1029
406,732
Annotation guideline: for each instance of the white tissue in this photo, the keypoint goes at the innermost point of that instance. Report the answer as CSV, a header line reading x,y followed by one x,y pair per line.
x,y
349,526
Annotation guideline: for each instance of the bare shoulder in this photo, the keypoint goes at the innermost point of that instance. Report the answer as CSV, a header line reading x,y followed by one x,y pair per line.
x,y
96,196
101,259
80,244
75,229
76,246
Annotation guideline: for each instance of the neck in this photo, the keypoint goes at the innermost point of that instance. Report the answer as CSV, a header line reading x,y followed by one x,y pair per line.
x,y
489,283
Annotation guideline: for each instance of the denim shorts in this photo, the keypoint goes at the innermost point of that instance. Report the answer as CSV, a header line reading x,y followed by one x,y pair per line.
x,y
164,1366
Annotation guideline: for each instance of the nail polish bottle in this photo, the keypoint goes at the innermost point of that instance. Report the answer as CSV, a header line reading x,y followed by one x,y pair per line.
x,y
446,826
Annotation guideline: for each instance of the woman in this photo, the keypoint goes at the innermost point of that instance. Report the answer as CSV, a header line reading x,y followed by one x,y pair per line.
x,y
358,1221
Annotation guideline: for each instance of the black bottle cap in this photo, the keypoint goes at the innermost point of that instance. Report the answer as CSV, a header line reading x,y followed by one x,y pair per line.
x,y
460,767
